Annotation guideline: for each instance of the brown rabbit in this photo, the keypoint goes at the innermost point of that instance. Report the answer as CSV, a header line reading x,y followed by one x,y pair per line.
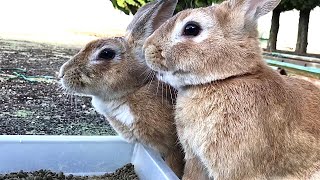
x,y
114,73
234,114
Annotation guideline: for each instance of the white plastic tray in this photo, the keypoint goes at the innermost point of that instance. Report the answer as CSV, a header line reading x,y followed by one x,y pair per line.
x,y
80,155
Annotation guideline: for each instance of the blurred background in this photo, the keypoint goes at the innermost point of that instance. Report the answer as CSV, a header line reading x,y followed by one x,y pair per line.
x,y
75,22
66,22
288,30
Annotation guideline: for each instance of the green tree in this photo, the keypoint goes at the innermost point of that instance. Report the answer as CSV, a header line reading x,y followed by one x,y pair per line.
x,y
285,5
305,7
131,6
186,4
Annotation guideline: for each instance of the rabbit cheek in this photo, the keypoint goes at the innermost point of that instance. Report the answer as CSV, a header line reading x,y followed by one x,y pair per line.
x,y
84,80
72,81
154,58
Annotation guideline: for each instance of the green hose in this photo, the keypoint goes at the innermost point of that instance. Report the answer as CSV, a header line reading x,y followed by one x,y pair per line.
x,y
17,73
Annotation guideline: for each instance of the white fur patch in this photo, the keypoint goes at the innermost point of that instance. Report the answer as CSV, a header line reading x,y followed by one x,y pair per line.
x,y
315,176
167,77
186,79
114,109
206,23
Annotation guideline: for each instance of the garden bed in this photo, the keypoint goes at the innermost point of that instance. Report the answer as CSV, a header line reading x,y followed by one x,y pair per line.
x,y
81,156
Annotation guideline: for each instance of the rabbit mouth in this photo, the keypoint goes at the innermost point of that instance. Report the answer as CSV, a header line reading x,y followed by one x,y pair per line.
x,y
169,78
155,59
157,67
180,72
71,86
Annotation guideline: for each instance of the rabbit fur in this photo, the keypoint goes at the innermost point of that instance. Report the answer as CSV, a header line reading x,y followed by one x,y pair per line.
x,y
114,73
236,118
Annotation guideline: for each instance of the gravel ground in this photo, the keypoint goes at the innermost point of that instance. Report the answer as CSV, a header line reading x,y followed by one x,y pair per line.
x,y
124,173
32,103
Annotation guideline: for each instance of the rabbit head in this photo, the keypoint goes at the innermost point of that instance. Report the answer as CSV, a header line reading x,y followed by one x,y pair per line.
x,y
199,46
112,67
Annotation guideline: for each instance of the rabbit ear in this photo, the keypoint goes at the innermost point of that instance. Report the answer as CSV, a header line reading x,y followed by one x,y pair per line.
x,y
255,8
150,17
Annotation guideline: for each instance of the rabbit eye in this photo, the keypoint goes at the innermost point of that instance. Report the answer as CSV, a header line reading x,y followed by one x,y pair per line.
x,y
107,54
191,29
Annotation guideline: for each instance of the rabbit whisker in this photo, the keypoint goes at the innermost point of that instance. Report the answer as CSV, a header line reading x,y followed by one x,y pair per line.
x,y
70,99
162,92
166,91
147,77
153,75
75,102
144,72
157,87
171,97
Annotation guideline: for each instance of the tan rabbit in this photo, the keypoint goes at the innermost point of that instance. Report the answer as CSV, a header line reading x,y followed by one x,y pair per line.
x,y
234,114
114,73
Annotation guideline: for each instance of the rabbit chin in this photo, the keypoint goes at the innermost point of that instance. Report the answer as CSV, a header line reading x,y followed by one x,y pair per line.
x,y
180,80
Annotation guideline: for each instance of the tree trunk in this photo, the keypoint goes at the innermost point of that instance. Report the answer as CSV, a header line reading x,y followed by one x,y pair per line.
x,y
302,41
272,42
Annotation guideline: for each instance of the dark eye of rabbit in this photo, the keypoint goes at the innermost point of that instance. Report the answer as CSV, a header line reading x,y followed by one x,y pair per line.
x,y
191,29
107,54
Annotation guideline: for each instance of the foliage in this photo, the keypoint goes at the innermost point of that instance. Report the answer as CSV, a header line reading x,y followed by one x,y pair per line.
x,y
131,6
185,4
128,6
287,5
305,4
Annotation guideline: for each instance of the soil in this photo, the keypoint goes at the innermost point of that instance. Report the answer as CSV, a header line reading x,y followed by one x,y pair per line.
x,y
30,99
124,173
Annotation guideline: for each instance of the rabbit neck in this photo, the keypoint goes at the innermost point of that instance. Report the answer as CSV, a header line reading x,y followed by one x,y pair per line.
x,y
185,90
263,69
117,109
